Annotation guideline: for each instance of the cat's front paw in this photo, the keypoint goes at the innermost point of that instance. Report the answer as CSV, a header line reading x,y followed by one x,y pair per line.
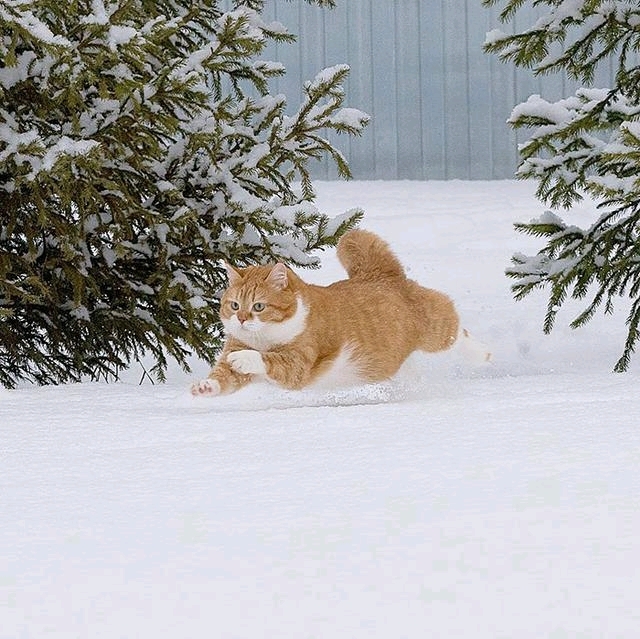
x,y
247,362
206,387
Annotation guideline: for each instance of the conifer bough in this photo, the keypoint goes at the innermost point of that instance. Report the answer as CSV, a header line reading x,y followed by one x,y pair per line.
x,y
139,146
588,143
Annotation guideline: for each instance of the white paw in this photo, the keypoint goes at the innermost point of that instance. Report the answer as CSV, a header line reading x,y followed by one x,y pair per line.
x,y
247,362
209,387
474,350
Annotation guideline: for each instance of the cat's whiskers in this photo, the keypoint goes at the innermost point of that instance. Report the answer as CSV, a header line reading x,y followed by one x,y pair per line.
x,y
261,335
253,326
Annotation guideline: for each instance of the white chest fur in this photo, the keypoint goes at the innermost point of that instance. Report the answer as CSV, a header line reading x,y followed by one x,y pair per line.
x,y
342,373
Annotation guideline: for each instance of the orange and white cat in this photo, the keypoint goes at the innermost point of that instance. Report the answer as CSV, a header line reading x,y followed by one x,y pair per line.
x,y
356,330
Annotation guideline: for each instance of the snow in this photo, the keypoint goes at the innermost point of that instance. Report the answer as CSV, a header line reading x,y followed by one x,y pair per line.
x,y
19,72
195,60
65,146
119,35
349,117
558,17
537,107
548,217
632,127
456,500
326,76
25,19
98,14
493,36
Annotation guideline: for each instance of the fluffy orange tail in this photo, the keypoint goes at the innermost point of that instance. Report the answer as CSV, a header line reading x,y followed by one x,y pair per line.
x,y
365,255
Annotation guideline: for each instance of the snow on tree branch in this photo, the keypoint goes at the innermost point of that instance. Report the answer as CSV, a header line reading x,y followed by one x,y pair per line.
x,y
140,146
588,143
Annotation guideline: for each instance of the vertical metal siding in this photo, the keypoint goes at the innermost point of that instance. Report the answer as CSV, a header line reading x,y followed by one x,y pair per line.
x,y
438,103
432,56
408,122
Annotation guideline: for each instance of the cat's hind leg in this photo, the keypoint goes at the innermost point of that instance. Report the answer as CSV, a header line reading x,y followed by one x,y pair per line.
x,y
441,328
435,317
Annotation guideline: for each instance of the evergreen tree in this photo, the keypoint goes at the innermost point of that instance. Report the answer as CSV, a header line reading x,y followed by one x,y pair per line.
x,y
139,146
588,143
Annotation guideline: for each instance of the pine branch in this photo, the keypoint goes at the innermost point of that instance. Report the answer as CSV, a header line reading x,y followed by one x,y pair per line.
x,y
138,148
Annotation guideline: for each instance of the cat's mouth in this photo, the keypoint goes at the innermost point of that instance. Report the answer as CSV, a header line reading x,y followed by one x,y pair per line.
x,y
234,326
249,326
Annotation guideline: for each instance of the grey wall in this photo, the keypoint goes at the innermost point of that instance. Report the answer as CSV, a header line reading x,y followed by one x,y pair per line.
x,y
438,103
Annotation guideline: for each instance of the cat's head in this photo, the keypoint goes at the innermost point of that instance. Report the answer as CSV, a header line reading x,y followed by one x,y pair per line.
x,y
261,306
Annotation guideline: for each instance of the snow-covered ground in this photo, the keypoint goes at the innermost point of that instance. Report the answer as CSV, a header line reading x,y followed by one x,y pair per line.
x,y
494,501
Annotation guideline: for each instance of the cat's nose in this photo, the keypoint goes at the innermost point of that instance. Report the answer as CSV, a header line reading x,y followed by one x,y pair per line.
x,y
242,317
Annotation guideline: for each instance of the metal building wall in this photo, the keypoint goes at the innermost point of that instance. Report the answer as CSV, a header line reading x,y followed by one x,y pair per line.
x,y
438,103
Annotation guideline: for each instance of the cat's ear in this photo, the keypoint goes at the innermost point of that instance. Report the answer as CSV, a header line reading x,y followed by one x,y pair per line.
x,y
278,276
233,275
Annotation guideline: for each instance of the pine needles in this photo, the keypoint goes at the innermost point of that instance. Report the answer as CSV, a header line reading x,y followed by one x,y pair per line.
x,y
139,147
588,143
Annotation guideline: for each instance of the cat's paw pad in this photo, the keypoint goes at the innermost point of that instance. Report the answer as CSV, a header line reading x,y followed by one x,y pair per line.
x,y
206,387
247,362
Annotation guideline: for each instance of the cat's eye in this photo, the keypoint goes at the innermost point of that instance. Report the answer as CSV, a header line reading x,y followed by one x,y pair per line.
x,y
235,306
258,306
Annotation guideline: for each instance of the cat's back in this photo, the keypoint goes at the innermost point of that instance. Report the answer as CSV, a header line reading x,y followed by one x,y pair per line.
x,y
363,311
388,313
364,293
